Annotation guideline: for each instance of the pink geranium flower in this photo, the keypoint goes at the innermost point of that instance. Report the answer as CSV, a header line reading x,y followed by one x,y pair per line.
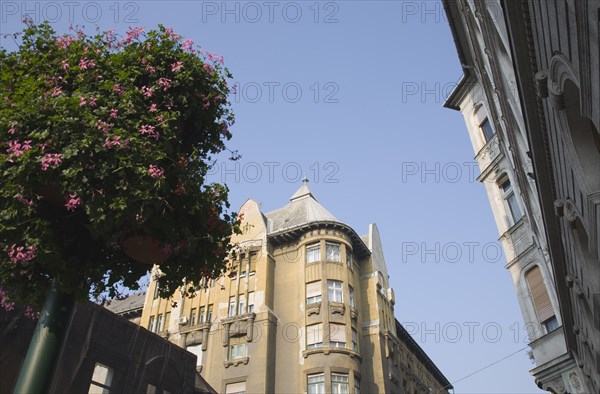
x,y
73,202
165,83
51,159
176,66
187,45
21,254
155,172
149,131
112,142
146,91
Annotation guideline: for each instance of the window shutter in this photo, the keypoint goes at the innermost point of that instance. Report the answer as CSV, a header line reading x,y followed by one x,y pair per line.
x,y
337,333
237,340
235,388
313,289
541,300
314,334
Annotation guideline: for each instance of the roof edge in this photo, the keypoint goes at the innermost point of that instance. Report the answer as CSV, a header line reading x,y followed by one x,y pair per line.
x,y
322,223
420,353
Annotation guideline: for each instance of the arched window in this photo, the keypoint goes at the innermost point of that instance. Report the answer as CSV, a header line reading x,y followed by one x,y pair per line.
x,y
584,136
541,300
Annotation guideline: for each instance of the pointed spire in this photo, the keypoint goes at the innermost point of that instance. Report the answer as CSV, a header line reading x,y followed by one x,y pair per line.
x,y
303,191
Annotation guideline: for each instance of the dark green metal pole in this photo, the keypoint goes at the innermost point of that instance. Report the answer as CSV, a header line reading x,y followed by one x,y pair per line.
x,y
46,344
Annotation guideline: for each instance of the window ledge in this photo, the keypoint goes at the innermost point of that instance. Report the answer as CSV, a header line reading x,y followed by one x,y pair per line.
x,y
337,307
195,327
233,319
513,227
546,336
237,326
236,362
314,308
327,350
353,313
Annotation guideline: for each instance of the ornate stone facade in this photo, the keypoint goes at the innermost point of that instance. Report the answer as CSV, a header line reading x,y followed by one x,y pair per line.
x,y
531,86
305,306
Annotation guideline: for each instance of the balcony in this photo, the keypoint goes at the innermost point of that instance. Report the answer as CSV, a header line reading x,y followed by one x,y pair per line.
x,y
238,326
326,350
549,347
337,307
488,155
517,240
313,308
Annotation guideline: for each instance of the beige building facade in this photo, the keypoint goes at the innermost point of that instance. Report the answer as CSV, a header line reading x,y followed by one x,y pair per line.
x,y
530,99
306,306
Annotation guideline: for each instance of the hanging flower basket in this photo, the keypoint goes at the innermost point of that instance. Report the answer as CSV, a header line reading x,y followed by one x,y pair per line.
x,y
144,249
87,153
52,193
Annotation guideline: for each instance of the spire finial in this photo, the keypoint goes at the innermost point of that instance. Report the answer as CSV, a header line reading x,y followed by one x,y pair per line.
x,y
302,191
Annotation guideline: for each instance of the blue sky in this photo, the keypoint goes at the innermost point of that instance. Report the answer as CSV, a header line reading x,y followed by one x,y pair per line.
x,y
350,94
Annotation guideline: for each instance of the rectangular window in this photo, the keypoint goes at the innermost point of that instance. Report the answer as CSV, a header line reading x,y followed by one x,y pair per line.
x,y
243,266
511,201
193,316
316,383
251,302
486,129
151,324
339,383
159,323
236,388
155,296
551,324
166,322
213,282
237,351
332,251
313,292
515,211
101,380
209,315
314,336
348,258
337,335
313,253
351,296
334,291
355,340
201,315
231,311
242,305
252,263
356,385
